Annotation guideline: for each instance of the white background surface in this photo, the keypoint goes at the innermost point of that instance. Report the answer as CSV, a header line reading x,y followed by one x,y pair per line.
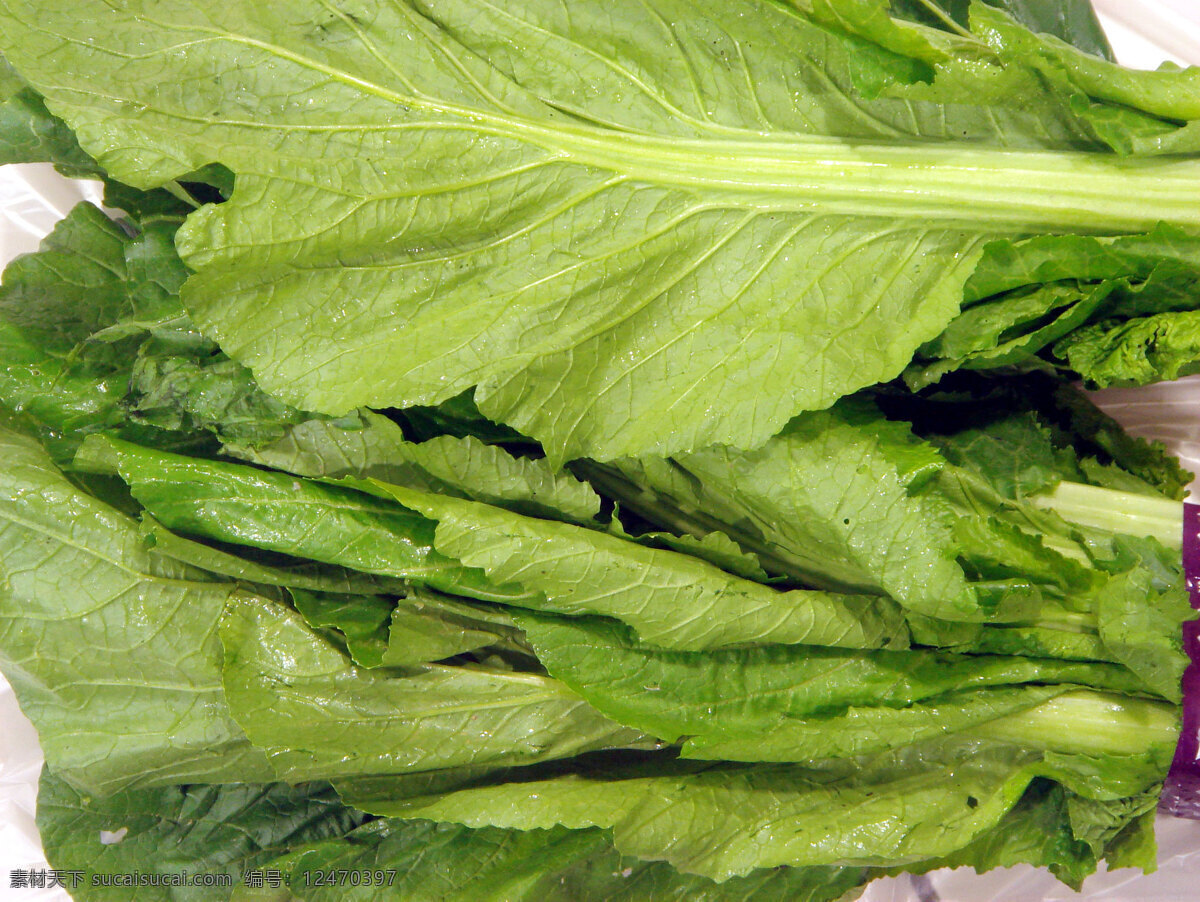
x,y
1144,33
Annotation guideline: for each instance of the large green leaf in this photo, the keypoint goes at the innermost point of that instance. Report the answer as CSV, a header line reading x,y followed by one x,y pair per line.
x,y
278,512
672,600
113,653
373,446
829,501
744,692
158,540
318,716
628,245
421,861
721,821
175,830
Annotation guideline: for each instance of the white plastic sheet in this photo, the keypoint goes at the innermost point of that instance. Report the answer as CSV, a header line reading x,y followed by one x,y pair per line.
x,y
1144,34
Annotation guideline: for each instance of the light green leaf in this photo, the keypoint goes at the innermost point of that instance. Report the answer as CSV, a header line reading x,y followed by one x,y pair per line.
x,y
828,502
429,627
761,205
670,599
360,621
1142,627
744,692
374,447
866,730
113,654
299,517
725,821
1136,352
158,540
318,716
450,863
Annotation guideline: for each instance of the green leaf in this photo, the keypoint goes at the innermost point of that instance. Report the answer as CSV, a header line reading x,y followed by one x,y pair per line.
x,y
743,692
1025,296
337,720
449,863
1007,265
1015,453
761,204
1099,823
716,548
429,627
1169,93
670,599
158,540
1037,831
420,628
1137,352
95,339
1149,460
459,416
862,730
281,513
828,502
30,134
1142,627
49,302
113,654
206,391
361,621
216,830
374,447
724,821
1072,20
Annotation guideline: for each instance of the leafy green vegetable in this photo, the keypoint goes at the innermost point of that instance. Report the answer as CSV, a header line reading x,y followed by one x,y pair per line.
x,y
359,621
95,339
742,166
1142,350
427,627
374,447
30,134
759,640
1072,20
272,510
448,863
806,502
723,821
1074,300
305,575
753,693
336,720
213,830
419,628
671,600
113,654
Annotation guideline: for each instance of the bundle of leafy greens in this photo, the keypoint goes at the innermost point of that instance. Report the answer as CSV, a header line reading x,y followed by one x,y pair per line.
x,y
476,460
